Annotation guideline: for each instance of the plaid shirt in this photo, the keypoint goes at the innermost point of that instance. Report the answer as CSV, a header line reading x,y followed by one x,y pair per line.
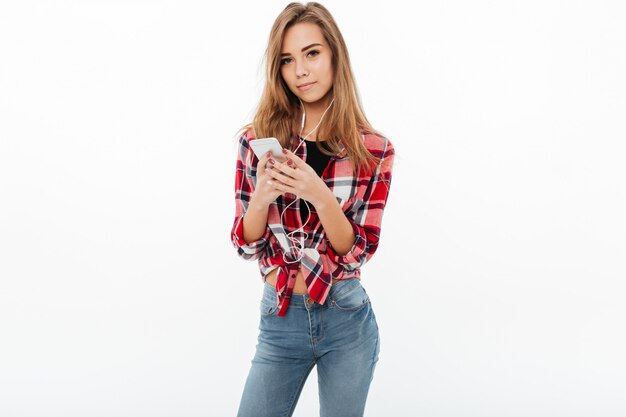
x,y
362,200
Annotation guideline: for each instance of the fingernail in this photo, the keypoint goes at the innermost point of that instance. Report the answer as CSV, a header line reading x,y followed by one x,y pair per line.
x,y
289,162
269,153
271,161
284,150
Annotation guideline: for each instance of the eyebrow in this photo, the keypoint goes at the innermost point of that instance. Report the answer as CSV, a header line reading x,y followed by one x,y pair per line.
x,y
303,49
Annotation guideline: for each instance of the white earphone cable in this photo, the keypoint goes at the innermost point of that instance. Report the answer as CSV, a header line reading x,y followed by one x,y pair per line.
x,y
298,245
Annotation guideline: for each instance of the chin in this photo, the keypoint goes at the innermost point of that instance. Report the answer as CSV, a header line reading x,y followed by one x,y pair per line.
x,y
310,99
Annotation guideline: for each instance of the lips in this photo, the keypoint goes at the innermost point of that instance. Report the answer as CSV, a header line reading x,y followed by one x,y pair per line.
x,y
306,86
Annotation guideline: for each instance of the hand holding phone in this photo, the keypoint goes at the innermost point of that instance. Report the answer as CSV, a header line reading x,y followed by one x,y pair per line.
x,y
263,145
264,192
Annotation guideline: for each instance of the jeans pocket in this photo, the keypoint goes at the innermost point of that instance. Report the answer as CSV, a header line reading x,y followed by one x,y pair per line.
x,y
268,307
268,300
350,299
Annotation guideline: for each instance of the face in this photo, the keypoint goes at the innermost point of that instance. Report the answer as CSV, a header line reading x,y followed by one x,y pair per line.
x,y
306,58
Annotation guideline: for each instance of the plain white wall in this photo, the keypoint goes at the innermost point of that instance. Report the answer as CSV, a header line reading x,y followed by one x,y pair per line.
x,y
499,282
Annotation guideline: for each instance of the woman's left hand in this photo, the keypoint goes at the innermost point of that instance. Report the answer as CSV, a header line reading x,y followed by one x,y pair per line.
x,y
297,177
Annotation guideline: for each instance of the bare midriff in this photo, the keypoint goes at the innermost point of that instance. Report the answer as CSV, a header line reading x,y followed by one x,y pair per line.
x,y
298,288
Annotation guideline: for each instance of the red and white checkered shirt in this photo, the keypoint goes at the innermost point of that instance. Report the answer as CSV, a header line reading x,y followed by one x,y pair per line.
x,y
362,199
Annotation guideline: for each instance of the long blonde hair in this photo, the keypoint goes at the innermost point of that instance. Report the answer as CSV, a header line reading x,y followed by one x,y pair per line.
x,y
278,107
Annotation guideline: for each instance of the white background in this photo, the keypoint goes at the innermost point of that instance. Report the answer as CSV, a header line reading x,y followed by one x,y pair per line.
x,y
499,283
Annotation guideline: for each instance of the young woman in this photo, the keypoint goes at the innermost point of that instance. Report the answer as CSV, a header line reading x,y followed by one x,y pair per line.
x,y
311,219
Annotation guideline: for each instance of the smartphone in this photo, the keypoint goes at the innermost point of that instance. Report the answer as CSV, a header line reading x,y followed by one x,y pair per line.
x,y
263,145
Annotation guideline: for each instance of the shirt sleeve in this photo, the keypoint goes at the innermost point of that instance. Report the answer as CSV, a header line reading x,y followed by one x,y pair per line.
x,y
245,181
368,216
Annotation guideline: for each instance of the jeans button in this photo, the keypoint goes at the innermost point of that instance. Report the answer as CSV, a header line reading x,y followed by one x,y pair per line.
x,y
310,301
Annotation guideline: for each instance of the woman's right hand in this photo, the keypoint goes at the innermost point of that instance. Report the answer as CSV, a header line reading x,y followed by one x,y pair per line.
x,y
264,194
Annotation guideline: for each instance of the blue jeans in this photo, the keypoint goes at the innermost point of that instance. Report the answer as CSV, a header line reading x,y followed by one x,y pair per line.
x,y
340,337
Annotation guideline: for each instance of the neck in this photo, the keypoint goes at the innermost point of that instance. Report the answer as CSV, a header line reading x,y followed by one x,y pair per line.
x,y
314,112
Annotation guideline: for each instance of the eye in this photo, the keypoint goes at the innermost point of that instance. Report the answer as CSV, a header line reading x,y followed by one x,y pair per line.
x,y
284,60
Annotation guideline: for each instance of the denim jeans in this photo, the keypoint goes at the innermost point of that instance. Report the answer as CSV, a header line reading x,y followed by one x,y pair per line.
x,y
340,337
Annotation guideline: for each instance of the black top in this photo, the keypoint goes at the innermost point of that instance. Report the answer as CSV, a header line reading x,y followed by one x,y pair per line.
x,y
318,161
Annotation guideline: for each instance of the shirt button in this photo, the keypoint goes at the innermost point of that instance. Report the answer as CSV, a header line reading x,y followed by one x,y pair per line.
x,y
293,275
310,301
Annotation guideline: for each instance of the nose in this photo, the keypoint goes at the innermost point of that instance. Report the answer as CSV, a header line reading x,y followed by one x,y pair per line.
x,y
301,70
